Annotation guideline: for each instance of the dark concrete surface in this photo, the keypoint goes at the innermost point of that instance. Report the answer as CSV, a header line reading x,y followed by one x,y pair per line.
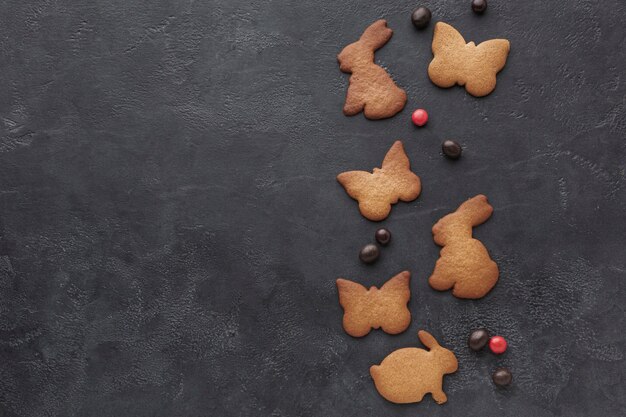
x,y
171,227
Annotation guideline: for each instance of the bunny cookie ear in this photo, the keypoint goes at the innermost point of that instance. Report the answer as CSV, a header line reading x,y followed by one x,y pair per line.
x,y
427,339
477,210
377,34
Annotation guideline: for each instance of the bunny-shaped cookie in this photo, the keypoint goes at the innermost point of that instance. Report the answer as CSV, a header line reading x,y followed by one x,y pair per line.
x,y
406,375
371,89
464,263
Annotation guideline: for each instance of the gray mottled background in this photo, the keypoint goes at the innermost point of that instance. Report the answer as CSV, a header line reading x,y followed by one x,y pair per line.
x,y
171,227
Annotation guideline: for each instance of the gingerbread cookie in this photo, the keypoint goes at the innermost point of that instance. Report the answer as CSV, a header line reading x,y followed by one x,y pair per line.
x,y
375,308
464,263
407,374
377,191
371,89
471,65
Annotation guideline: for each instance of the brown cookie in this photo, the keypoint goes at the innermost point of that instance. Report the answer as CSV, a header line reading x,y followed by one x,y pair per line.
x,y
464,263
371,89
456,62
377,191
407,374
375,308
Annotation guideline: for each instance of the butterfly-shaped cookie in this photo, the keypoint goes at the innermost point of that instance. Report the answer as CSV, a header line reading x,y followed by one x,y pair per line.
x,y
468,64
377,191
375,308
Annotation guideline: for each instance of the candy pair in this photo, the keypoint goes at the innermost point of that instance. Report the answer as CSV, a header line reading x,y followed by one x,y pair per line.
x,y
422,15
479,338
370,252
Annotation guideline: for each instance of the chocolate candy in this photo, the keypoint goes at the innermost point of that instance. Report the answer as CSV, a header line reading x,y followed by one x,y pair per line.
x,y
478,339
383,236
451,149
419,117
497,344
502,377
479,6
369,254
421,17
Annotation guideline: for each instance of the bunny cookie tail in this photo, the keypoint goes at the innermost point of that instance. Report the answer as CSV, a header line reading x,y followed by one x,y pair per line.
x,y
375,371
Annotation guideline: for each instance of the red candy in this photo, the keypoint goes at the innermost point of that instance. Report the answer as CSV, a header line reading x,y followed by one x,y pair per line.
x,y
497,344
419,117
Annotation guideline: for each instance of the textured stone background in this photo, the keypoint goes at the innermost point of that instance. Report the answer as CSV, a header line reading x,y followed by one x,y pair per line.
x,y
171,227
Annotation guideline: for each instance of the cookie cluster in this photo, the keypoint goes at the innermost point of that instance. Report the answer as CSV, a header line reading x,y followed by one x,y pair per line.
x,y
455,62
464,266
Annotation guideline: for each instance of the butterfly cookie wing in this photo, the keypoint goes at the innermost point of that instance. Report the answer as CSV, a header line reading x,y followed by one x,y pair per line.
x,y
446,39
356,183
488,58
396,159
494,53
369,191
448,49
397,288
405,184
353,300
395,294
